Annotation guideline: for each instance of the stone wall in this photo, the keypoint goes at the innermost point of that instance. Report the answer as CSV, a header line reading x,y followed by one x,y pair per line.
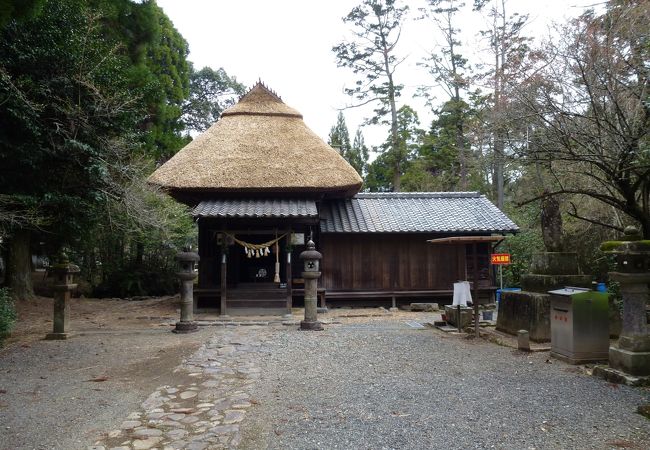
x,y
525,311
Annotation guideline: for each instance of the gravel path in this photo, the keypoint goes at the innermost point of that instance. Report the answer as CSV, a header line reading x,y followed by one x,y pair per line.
x,y
384,385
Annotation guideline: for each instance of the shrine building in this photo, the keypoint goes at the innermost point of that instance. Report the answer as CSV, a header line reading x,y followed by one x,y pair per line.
x,y
260,183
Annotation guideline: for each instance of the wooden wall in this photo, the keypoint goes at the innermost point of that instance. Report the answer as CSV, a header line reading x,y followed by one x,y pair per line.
x,y
373,262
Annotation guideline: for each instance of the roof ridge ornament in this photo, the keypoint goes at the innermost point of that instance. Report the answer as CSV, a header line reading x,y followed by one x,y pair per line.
x,y
262,85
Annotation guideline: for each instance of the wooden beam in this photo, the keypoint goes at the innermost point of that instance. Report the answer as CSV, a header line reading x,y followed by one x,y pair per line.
x,y
289,274
223,311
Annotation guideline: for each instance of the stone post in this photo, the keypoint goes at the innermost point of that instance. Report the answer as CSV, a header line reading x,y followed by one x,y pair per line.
x,y
187,260
631,355
64,272
311,273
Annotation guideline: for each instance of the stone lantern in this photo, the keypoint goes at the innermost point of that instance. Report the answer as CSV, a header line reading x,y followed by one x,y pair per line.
x,y
63,286
631,355
311,272
187,260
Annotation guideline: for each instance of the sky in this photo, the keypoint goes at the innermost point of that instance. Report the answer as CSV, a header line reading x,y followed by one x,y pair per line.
x,y
288,45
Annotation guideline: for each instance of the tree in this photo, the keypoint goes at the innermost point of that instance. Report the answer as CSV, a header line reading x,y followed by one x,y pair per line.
x,y
73,91
409,140
19,10
509,50
339,137
371,56
168,86
211,92
359,154
590,95
449,70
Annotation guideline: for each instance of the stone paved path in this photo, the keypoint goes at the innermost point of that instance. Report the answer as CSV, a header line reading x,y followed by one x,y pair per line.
x,y
204,410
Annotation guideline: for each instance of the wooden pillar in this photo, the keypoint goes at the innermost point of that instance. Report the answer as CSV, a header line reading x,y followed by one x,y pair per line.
x,y
475,255
289,275
224,277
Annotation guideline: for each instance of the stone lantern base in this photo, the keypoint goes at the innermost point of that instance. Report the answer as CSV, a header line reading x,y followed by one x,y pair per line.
x,y
311,325
58,336
186,327
618,376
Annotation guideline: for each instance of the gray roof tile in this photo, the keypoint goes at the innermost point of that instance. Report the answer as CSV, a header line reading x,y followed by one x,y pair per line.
x,y
271,208
432,212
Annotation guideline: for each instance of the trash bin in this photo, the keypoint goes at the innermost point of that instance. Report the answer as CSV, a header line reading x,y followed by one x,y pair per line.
x,y
579,325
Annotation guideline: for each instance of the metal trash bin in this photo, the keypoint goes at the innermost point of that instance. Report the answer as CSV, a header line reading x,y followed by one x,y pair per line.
x,y
579,325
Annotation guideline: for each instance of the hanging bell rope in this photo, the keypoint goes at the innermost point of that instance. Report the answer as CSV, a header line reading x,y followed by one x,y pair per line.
x,y
276,278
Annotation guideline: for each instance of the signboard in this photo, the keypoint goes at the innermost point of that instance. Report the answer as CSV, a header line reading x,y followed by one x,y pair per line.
x,y
297,238
500,258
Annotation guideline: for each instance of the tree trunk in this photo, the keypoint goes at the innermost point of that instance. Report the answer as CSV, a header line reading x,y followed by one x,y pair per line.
x,y
19,267
551,224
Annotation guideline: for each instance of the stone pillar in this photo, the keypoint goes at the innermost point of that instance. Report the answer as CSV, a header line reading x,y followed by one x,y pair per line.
x,y
631,355
63,287
187,260
311,273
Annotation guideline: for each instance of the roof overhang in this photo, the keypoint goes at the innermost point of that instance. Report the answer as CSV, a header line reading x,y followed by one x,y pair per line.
x,y
466,239
256,208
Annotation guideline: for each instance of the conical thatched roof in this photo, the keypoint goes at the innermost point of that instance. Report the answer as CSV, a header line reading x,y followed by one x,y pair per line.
x,y
260,145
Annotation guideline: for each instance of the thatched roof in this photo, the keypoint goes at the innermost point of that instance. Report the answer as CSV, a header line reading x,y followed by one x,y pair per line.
x,y
260,145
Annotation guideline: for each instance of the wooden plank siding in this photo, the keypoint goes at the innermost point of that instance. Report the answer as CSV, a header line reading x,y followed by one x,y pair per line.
x,y
390,262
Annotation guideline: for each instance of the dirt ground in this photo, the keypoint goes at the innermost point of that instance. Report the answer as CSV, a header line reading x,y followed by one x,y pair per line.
x,y
65,394
91,314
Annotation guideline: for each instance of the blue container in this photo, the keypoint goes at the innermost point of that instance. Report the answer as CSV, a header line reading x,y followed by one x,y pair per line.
x,y
601,287
506,290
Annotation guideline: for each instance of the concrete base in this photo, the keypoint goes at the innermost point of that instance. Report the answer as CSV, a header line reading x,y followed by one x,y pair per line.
x,y
529,311
573,359
452,316
185,327
393,309
58,336
632,363
617,376
311,326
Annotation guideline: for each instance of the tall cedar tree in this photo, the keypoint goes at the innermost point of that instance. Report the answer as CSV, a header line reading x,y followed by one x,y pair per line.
x,y
509,49
372,57
450,72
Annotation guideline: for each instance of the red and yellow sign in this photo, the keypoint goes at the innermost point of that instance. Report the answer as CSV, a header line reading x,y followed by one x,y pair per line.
x,y
500,258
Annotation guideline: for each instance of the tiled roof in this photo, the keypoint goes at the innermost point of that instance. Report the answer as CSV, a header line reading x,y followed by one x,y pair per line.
x,y
272,208
433,212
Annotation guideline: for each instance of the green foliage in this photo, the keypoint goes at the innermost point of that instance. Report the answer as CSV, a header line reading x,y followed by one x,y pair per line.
x,y
522,245
358,157
211,92
356,153
379,176
339,137
88,88
7,314
18,10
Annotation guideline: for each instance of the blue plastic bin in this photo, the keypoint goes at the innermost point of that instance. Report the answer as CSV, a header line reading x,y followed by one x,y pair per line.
x,y
513,289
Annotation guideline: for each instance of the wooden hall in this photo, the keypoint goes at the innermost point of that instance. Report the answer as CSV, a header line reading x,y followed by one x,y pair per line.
x,y
261,183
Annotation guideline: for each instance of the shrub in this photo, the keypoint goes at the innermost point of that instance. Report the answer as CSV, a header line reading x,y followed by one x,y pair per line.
x,y
7,314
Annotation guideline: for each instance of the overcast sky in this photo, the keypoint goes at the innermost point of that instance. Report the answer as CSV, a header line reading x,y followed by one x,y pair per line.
x,y
288,45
